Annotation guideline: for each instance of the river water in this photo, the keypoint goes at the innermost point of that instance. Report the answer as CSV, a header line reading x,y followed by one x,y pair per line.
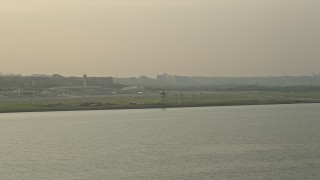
x,y
240,142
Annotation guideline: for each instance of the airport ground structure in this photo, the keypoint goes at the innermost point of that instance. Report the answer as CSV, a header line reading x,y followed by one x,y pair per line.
x,y
13,87
58,93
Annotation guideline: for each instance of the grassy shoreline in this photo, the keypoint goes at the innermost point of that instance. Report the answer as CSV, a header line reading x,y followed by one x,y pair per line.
x,y
151,101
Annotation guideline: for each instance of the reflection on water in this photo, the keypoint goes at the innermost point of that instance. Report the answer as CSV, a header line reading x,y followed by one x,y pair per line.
x,y
245,142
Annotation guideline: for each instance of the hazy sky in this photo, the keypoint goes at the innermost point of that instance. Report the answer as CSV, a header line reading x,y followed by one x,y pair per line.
x,y
148,37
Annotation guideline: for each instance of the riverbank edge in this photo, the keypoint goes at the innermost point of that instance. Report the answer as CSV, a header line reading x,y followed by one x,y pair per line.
x,y
158,106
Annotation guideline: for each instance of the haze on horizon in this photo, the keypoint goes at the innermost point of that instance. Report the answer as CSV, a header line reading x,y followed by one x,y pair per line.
x,y
149,37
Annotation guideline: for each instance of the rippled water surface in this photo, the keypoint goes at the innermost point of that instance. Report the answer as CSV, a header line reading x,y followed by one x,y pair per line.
x,y
243,142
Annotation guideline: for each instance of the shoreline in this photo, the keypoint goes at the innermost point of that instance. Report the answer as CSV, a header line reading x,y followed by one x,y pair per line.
x,y
154,101
165,106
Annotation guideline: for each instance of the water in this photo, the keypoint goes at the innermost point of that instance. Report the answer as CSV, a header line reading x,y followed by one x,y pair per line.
x,y
244,142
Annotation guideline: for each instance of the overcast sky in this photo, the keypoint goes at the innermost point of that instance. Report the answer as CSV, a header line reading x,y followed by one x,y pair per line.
x,y
148,37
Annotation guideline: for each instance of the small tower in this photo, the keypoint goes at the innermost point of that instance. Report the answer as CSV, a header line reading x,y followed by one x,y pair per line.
x,y
163,96
84,80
